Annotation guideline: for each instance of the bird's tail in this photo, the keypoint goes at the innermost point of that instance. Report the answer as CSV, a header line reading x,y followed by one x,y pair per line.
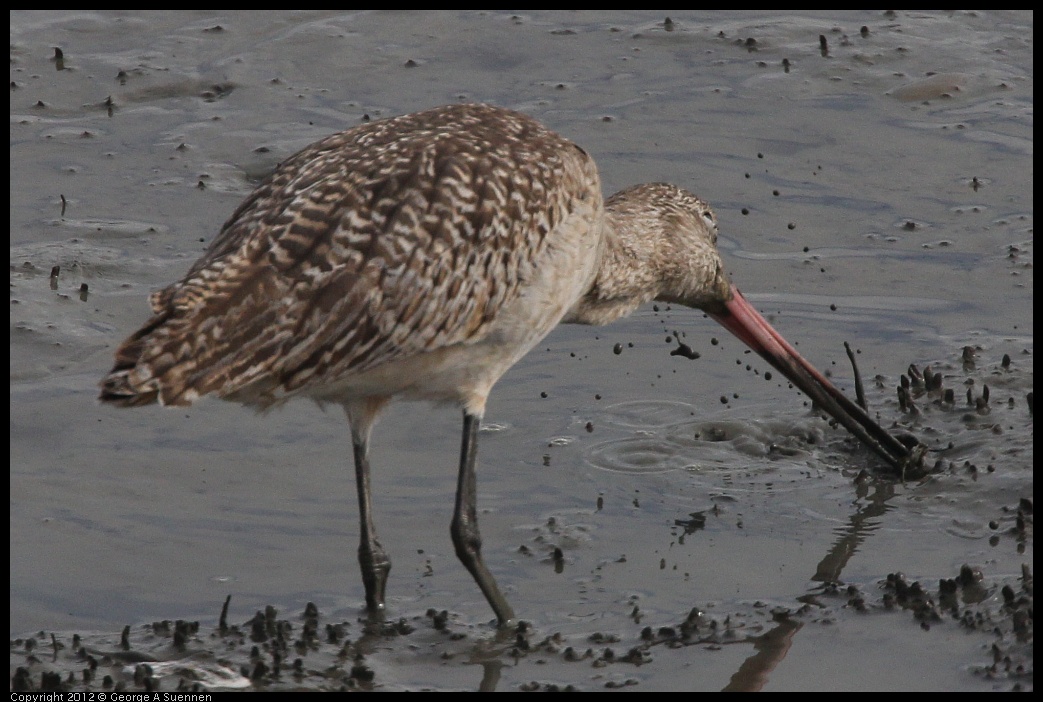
x,y
130,383
117,389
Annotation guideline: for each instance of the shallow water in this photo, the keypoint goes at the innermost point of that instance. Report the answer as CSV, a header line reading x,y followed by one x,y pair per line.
x,y
879,194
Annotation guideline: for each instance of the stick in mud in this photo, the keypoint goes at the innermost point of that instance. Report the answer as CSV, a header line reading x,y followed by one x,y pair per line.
x,y
860,392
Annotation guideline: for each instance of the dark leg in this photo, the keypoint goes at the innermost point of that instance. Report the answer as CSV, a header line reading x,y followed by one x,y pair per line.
x,y
466,539
372,557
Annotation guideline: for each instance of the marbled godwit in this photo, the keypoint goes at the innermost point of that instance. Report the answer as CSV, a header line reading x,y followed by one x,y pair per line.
x,y
420,257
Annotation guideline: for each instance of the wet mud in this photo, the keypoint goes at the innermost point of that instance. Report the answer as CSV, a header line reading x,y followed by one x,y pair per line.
x,y
309,652
663,511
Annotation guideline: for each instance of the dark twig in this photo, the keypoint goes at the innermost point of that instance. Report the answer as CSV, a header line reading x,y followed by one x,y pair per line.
x,y
860,392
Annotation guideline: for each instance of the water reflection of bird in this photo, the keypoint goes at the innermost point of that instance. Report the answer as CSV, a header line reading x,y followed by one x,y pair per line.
x,y
419,258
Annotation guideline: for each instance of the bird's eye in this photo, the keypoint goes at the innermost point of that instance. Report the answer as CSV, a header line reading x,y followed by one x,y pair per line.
x,y
708,216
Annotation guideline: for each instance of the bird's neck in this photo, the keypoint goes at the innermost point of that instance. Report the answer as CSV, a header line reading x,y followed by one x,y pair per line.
x,y
629,273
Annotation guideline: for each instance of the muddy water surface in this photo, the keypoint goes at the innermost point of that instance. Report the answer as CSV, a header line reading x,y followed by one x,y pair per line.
x,y
661,523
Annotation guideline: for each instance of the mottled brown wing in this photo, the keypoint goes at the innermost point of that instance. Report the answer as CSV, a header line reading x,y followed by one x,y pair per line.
x,y
388,240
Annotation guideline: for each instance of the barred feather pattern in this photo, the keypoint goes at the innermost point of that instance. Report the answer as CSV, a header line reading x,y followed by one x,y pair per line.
x,y
391,240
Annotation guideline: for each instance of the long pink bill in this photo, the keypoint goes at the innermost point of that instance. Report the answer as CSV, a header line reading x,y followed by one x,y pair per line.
x,y
741,319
